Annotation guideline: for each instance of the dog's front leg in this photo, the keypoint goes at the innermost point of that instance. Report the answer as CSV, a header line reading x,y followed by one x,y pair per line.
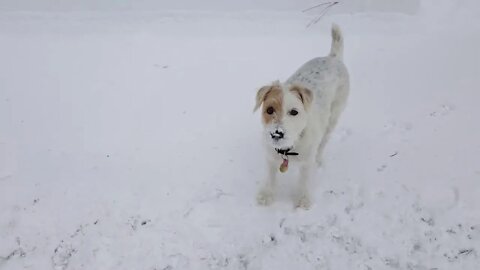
x,y
266,194
303,199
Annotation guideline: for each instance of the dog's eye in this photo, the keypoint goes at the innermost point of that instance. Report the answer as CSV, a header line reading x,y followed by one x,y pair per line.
x,y
293,112
270,110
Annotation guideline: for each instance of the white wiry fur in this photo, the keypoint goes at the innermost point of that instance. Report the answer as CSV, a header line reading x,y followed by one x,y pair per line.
x,y
308,132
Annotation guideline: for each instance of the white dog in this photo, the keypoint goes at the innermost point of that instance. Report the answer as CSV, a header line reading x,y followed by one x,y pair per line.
x,y
300,114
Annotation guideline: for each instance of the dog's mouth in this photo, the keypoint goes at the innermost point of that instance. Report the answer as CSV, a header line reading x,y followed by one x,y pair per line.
x,y
280,142
277,135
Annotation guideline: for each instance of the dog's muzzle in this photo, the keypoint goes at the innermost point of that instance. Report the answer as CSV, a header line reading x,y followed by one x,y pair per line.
x,y
277,135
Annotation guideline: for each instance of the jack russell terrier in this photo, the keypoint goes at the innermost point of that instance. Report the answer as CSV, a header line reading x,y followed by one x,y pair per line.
x,y
299,116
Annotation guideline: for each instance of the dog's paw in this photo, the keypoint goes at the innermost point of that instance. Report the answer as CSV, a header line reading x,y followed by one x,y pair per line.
x,y
303,202
265,197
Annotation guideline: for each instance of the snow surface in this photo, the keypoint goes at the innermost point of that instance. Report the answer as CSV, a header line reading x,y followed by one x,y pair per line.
x,y
127,140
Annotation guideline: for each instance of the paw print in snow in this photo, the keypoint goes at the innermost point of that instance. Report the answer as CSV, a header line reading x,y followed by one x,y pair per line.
x,y
444,110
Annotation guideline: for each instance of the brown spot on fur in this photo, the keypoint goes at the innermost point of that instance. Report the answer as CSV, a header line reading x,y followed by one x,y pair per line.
x,y
270,96
304,94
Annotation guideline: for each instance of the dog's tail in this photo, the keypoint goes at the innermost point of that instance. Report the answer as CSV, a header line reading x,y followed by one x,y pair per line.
x,y
337,43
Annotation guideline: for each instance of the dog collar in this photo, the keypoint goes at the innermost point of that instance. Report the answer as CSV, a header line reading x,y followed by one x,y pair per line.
x,y
285,153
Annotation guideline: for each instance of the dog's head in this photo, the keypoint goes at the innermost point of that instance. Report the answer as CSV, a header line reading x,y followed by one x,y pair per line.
x,y
284,112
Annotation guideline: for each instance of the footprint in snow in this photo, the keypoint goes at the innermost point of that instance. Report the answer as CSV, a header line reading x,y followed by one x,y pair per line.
x,y
443,110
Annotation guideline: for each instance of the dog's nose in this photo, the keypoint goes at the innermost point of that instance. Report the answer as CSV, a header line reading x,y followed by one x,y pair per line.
x,y
277,135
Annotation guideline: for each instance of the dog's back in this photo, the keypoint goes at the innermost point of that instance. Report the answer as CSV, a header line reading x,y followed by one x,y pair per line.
x,y
325,75
328,79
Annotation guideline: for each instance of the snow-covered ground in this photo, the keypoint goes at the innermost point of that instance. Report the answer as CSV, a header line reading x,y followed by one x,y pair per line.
x,y
127,140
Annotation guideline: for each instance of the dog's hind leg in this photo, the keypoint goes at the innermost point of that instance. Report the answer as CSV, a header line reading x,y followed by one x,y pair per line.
x,y
335,111
323,143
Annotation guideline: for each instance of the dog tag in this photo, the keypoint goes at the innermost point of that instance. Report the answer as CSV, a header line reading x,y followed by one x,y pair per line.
x,y
284,166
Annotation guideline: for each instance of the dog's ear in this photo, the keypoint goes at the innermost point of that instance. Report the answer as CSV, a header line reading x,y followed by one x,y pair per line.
x,y
261,94
304,94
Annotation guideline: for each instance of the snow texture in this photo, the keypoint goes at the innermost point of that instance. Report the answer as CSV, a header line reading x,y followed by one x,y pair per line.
x,y
127,139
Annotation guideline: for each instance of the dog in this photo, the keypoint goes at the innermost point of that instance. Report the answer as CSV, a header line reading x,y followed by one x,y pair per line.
x,y
298,117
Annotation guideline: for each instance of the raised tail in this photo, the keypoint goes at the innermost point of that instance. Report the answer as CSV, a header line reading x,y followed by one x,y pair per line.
x,y
337,43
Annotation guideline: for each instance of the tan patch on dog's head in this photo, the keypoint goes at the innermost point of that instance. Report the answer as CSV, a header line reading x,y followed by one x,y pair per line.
x,y
272,98
304,94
